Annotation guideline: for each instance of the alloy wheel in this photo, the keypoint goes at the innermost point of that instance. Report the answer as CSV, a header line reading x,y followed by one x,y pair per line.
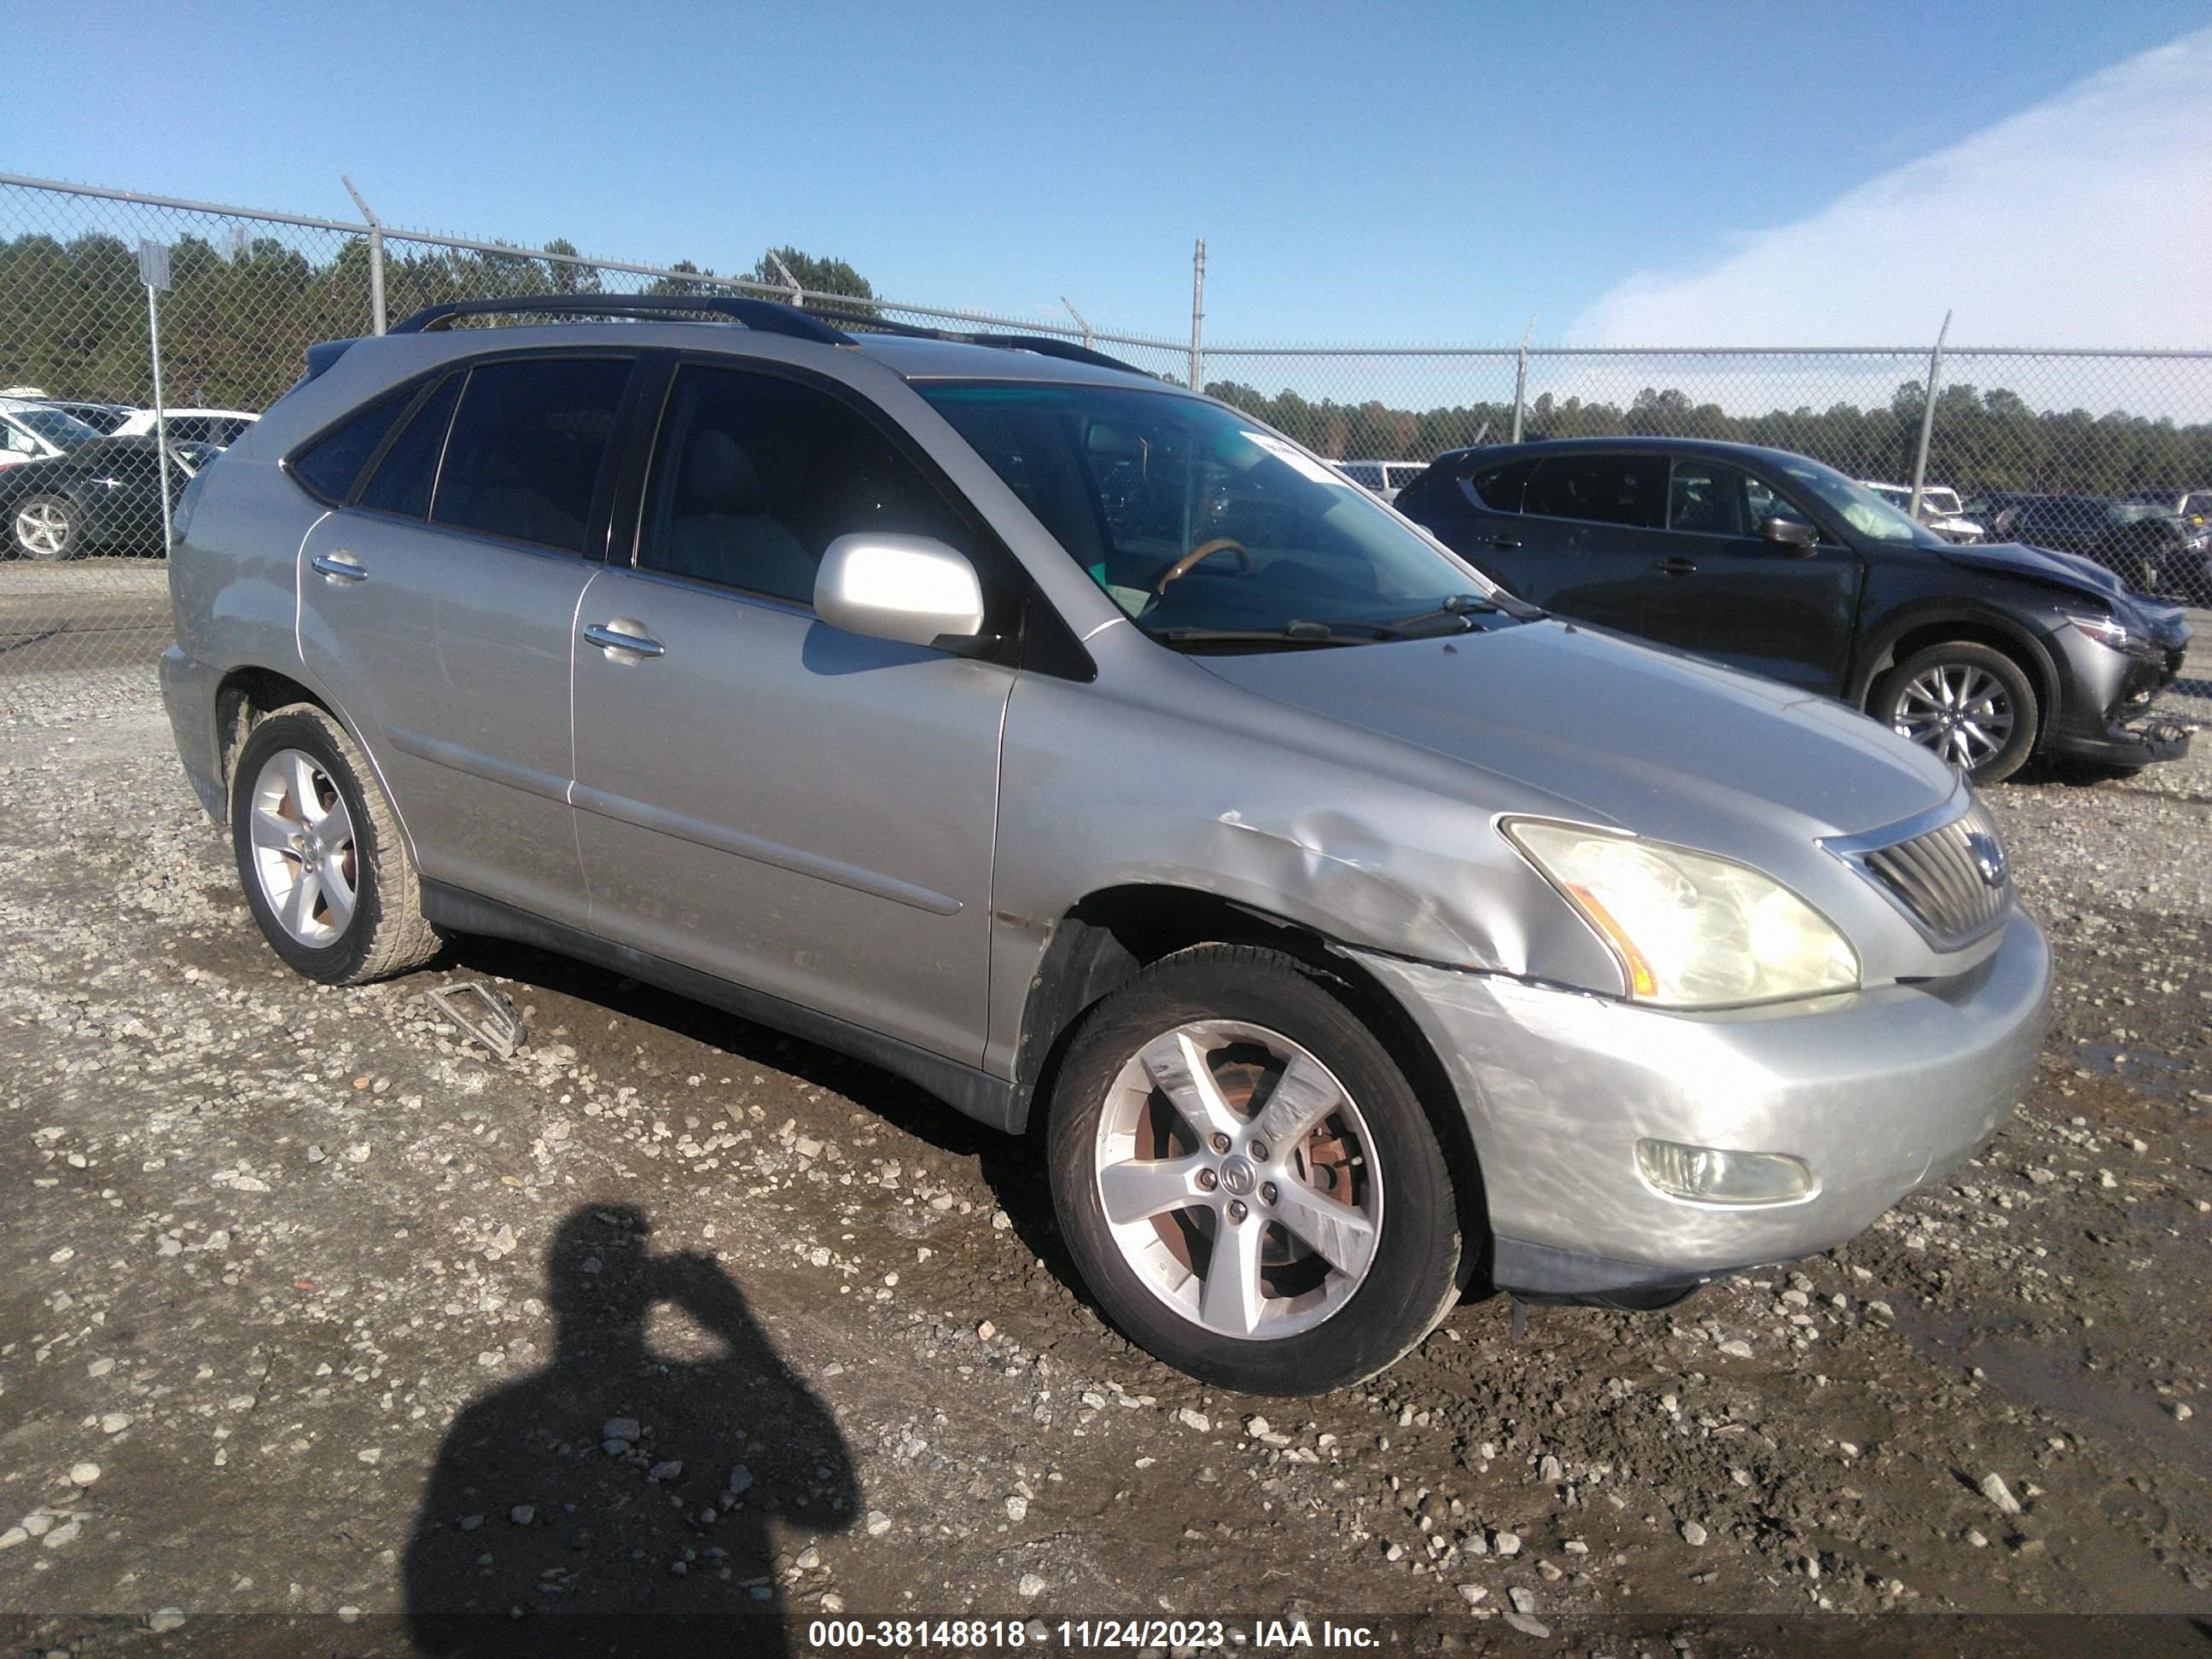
x,y
1960,711
42,529
303,849
1238,1179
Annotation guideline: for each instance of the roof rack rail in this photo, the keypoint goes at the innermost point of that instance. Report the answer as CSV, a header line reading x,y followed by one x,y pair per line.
x,y
767,316
1043,345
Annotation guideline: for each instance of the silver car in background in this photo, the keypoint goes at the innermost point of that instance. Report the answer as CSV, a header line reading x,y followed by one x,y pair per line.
x,y
1350,933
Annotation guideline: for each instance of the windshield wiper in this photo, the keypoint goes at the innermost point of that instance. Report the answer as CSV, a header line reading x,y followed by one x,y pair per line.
x,y
1448,618
1291,633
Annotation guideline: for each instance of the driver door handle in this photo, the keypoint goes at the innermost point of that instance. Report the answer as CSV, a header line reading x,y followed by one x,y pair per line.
x,y
610,636
1676,566
340,567
1505,544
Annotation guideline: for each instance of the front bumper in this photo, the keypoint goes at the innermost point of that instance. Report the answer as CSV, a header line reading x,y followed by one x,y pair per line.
x,y
1880,1090
2105,710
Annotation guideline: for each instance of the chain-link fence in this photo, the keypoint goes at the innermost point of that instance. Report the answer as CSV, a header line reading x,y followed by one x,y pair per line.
x,y
2103,453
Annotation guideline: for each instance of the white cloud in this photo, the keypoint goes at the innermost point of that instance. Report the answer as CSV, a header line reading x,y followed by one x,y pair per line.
x,y
2086,220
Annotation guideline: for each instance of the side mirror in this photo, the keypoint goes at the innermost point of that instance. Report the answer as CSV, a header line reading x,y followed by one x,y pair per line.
x,y
913,589
1794,535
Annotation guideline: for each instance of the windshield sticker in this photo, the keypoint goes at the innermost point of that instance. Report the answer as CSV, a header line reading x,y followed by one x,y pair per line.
x,y
1291,456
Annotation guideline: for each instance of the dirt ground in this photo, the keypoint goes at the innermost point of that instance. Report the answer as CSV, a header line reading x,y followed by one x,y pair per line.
x,y
317,1315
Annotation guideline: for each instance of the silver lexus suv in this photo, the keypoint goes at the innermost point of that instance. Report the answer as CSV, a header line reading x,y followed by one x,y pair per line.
x,y
1351,933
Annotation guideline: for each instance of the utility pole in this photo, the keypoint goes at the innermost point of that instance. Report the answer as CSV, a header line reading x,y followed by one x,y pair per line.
x,y
1197,317
375,255
1928,418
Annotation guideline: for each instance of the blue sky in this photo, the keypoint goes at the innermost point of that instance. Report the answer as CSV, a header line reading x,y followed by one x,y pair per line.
x,y
1371,171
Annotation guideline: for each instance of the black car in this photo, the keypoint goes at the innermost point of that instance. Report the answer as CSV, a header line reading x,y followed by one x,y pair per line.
x,y
2146,543
1987,654
102,496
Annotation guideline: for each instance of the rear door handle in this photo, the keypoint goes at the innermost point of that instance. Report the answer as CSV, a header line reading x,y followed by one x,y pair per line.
x,y
1505,544
1676,566
621,633
340,567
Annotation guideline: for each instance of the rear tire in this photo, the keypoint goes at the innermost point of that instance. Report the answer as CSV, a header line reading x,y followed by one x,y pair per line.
x,y
47,527
1284,1224
1967,704
320,852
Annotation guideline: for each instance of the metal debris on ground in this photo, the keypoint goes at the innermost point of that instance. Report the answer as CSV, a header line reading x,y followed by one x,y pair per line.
x,y
478,1008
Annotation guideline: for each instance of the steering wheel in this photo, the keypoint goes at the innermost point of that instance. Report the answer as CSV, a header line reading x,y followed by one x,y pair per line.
x,y
1197,555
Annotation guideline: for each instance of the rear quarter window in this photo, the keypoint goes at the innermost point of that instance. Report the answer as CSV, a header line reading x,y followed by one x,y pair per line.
x,y
329,465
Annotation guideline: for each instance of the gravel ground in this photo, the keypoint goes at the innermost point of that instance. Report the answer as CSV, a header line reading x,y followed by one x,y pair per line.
x,y
314,1308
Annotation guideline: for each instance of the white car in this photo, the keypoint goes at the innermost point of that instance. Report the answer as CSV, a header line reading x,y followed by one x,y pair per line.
x,y
34,431
219,427
1940,509
1382,478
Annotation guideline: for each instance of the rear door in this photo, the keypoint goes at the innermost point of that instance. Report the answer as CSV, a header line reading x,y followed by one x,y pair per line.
x,y
1587,545
437,605
1724,591
759,795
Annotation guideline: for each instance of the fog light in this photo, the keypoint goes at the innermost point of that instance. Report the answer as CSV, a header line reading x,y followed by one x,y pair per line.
x,y
1706,1174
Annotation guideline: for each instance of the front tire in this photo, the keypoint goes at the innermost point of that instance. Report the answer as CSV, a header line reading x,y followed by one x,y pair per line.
x,y
47,527
1969,704
325,869
1247,1180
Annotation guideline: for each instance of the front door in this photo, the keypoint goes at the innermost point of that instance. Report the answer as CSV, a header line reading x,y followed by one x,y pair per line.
x,y
1723,590
760,796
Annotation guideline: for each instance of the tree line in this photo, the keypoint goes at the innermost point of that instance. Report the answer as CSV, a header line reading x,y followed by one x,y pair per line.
x,y
235,325
1981,439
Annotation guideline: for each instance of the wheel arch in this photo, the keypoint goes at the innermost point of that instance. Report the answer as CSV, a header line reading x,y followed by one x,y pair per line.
x,y
1109,935
1998,633
249,692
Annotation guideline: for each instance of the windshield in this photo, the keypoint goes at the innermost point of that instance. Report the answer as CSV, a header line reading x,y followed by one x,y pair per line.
x,y
1864,511
1194,518
58,428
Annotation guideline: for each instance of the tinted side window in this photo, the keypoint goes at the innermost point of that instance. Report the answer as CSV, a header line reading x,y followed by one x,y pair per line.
x,y
1500,488
1630,489
1708,498
329,469
526,447
754,476
403,477
1762,501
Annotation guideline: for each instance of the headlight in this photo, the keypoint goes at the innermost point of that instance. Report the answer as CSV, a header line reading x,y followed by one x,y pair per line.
x,y
2105,630
1692,931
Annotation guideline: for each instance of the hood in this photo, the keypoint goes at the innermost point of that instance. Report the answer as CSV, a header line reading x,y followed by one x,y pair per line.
x,y
2043,564
1636,735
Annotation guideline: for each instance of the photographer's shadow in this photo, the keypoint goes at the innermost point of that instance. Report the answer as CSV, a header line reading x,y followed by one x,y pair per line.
x,y
534,1537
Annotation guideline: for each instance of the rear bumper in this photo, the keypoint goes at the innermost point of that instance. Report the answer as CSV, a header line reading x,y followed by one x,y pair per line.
x,y
188,688
1879,1092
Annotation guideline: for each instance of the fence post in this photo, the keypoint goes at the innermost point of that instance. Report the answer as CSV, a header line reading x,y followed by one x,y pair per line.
x,y
1079,322
797,294
1928,417
1197,316
1521,379
375,256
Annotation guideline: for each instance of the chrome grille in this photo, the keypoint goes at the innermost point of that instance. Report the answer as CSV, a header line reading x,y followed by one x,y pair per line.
x,y
1939,876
